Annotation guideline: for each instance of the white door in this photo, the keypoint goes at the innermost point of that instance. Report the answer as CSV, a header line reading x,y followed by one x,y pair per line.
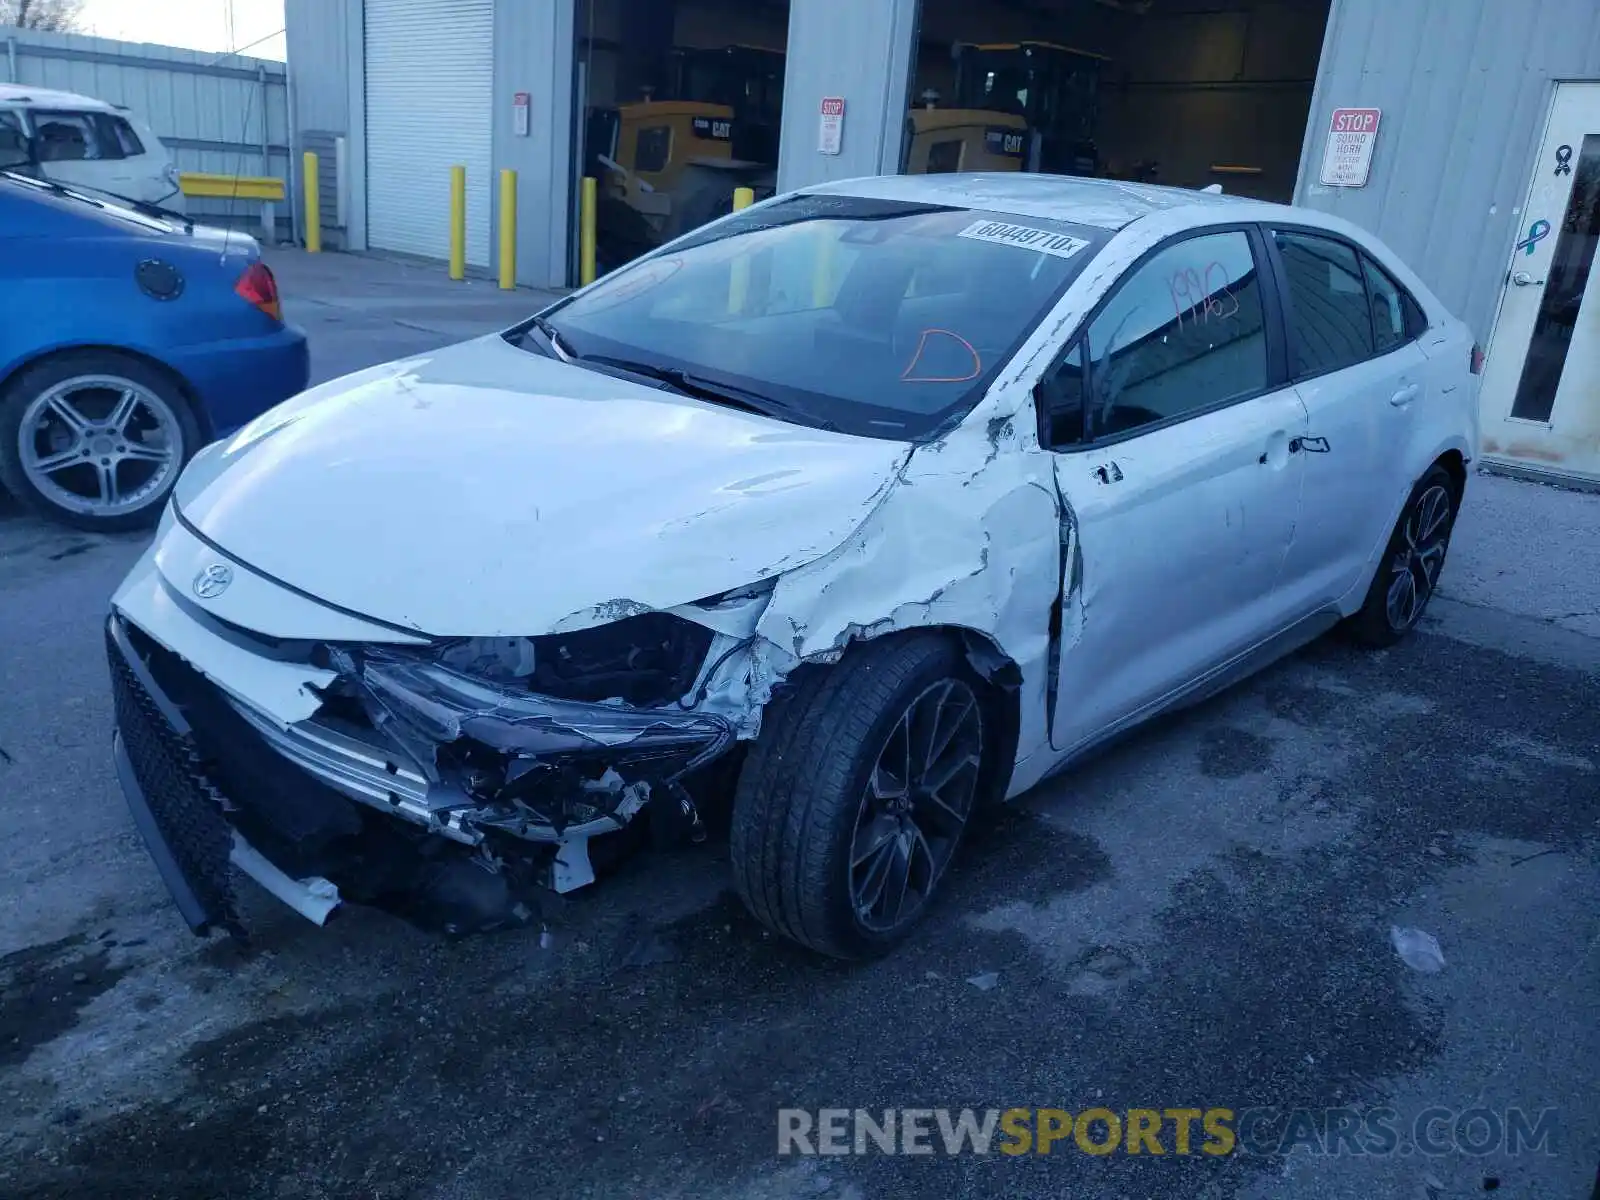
x,y
1182,484
430,106
1353,352
1540,399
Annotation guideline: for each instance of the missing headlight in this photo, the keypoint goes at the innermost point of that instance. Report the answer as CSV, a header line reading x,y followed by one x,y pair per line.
x,y
646,661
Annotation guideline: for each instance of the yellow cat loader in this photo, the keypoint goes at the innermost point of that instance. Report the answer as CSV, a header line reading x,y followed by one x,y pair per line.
x,y
665,167
943,140
668,165
1018,106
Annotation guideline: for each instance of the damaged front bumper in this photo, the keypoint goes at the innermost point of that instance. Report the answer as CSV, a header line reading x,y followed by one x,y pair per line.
x,y
463,757
447,798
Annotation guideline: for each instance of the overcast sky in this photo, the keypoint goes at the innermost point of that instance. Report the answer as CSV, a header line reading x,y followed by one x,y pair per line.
x,y
194,24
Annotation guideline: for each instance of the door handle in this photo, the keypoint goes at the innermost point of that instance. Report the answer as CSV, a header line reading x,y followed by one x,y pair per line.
x,y
1523,279
1108,473
1405,395
1309,445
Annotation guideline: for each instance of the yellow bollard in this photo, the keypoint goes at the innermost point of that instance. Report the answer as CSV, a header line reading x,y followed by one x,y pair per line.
x,y
308,167
586,233
458,222
508,229
739,272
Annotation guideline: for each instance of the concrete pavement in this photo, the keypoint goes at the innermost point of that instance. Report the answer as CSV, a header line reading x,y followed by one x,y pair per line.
x,y
360,309
1198,919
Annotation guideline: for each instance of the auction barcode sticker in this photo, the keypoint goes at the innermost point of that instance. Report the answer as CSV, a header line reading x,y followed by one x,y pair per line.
x,y
1044,241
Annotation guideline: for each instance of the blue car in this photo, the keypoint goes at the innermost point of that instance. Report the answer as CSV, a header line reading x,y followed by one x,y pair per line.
x,y
128,339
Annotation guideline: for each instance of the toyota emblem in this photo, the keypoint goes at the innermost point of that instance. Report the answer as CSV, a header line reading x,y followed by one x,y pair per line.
x,y
213,581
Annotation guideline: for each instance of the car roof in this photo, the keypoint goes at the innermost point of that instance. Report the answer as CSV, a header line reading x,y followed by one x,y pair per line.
x,y
1103,203
1112,204
22,93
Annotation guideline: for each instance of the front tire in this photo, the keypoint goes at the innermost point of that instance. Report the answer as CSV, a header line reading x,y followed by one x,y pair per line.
x,y
95,439
1408,572
855,797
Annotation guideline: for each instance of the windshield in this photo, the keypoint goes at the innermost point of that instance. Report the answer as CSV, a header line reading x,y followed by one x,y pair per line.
x,y
874,317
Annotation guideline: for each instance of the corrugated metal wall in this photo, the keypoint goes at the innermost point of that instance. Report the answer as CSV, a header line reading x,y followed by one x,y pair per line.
x,y
214,113
533,53
858,51
1464,86
318,36
324,45
325,145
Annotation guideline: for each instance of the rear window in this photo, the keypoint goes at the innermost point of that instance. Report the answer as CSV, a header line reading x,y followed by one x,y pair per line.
x,y
117,135
1330,321
881,318
655,149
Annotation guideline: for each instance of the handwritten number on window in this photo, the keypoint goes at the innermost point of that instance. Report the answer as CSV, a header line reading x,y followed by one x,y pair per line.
x,y
1202,296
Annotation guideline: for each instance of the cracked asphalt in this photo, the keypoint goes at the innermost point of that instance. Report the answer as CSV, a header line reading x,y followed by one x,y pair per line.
x,y
1199,918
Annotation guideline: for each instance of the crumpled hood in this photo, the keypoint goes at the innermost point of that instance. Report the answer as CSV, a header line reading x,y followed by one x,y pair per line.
x,y
488,491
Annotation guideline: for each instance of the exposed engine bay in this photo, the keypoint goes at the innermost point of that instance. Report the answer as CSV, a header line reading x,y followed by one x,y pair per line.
x,y
506,756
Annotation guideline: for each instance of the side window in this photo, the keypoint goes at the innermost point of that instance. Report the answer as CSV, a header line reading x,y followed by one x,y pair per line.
x,y
69,137
1416,319
13,141
1329,322
1184,332
1060,398
118,137
1388,309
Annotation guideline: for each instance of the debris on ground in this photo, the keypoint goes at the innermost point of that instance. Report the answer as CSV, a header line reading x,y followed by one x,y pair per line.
x,y
986,981
1417,949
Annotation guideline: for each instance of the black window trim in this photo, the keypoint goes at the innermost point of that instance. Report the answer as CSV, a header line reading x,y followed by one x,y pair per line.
x,y
1273,318
1362,256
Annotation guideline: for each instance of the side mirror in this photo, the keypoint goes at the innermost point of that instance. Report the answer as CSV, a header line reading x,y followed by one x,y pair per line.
x,y
1058,403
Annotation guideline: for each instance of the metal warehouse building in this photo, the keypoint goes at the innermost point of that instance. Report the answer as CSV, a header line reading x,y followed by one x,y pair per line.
x,y
1466,133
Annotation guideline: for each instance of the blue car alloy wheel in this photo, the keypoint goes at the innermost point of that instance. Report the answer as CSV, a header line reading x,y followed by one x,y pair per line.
x,y
96,439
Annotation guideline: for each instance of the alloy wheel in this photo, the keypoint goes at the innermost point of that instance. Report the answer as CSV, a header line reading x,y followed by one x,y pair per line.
x,y
1414,568
100,445
916,804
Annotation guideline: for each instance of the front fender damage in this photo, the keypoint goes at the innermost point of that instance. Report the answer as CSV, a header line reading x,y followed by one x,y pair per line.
x,y
968,540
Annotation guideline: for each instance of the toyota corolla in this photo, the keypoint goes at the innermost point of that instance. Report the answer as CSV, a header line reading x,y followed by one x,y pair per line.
x,y
873,504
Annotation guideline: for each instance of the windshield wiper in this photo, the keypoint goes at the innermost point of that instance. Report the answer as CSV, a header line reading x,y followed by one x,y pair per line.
x,y
700,388
92,195
553,336
152,210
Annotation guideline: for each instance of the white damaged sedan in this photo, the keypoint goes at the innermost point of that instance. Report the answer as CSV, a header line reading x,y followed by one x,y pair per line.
x,y
873,503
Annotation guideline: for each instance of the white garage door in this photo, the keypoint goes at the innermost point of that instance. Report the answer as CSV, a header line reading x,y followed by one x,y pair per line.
x,y
430,106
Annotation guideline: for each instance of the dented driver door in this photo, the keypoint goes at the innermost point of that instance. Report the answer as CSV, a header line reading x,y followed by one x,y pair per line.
x,y
1176,454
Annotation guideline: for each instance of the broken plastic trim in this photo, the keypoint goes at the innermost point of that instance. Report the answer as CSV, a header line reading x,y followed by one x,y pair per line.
x,y
430,705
